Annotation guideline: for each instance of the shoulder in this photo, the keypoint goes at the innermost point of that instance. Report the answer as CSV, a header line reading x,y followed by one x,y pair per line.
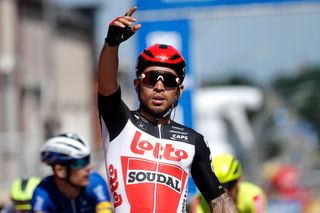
x,y
95,177
46,185
44,191
44,194
96,182
97,187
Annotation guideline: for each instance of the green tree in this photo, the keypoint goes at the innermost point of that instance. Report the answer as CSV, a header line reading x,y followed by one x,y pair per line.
x,y
302,92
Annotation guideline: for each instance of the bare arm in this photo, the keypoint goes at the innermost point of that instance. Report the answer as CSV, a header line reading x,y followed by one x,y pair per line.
x,y
109,61
107,70
223,204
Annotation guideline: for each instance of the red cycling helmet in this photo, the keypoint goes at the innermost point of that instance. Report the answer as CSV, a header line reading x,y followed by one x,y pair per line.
x,y
161,55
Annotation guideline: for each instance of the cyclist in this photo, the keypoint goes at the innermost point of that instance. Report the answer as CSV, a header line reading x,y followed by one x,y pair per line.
x,y
248,197
73,187
149,156
21,194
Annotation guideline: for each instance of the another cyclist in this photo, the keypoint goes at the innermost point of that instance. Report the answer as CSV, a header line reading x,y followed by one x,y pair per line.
x,y
249,197
149,157
73,187
21,195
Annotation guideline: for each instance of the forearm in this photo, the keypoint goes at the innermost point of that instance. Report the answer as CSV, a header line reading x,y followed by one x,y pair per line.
x,y
223,204
107,70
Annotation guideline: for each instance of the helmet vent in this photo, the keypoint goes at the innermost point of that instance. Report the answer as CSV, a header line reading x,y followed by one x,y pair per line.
x,y
24,184
163,46
68,145
236,170
175,56
148,53
72,136
162,55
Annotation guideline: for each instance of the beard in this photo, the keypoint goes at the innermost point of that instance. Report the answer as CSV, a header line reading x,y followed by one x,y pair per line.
x,y
155,113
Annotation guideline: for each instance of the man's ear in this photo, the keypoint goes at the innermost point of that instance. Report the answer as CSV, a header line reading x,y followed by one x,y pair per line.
x,y
60,171
181,88
136,85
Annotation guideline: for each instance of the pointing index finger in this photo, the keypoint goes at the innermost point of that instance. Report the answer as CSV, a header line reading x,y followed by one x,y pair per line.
x,y
131,11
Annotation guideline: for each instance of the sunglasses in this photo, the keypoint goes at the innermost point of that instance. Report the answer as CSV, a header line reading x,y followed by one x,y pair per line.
x,y
80,163
168,79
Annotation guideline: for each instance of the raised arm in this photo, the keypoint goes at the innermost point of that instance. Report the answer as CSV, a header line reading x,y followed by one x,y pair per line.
x,y
107,71
119,30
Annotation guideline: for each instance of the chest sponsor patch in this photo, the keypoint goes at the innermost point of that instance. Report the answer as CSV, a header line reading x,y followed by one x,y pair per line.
x,y
144,147
153,185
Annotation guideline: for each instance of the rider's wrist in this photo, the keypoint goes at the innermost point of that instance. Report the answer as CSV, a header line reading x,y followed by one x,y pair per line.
x,y
110,43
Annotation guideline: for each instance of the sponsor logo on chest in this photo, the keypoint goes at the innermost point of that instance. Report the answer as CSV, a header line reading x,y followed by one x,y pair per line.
x,y
158,150
179,135
135,177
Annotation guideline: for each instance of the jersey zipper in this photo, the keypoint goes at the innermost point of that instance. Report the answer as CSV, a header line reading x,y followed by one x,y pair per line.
x,y
159,126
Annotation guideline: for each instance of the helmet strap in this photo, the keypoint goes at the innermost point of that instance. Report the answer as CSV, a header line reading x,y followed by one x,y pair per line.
x,y
173,105
68,180
145,108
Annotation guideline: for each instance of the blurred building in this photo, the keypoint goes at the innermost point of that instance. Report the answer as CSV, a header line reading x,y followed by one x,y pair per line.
x,y
47,77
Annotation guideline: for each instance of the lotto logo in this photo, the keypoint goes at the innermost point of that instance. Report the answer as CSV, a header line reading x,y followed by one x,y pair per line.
x,y
169,152
114,185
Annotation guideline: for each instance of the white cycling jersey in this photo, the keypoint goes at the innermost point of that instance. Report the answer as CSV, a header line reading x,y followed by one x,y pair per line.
x,y
148,165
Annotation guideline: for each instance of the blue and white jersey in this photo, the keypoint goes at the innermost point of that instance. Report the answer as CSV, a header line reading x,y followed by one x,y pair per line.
x,y
94,198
